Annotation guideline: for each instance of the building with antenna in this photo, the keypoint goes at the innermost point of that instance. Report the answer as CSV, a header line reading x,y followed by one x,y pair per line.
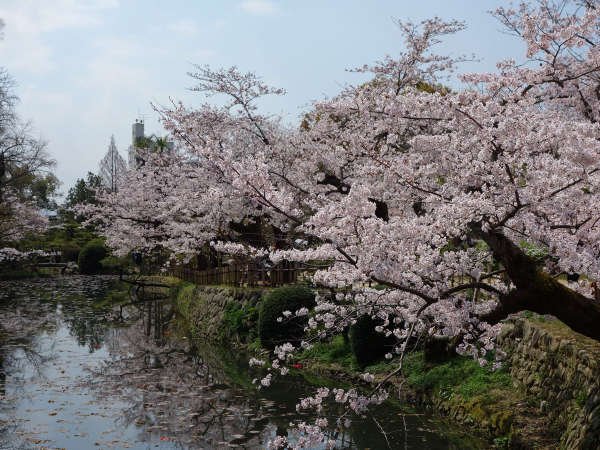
x,y
140,140
137,133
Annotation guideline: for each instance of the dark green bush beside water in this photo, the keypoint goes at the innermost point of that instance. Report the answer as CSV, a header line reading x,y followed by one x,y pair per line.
x,y
368,345
287,298
253,323
69,252
90,257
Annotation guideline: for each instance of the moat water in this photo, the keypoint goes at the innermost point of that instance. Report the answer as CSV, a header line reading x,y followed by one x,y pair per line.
x,y
78,372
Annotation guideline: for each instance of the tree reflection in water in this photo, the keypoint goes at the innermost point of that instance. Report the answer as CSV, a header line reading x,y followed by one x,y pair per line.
x,y
179,388
62,342
20,323
174,388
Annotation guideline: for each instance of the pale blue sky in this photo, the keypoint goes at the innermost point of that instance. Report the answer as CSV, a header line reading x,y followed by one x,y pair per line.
x,y
86,69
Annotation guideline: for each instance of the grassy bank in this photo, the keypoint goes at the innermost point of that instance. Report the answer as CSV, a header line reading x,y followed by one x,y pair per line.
x,y
459,388
487,401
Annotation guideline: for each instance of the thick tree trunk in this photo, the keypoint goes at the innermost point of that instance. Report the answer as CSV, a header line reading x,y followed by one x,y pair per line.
x,y
537,291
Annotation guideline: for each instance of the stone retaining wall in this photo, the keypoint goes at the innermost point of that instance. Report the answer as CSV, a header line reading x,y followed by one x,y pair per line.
x,y
205,306
556,369
560,370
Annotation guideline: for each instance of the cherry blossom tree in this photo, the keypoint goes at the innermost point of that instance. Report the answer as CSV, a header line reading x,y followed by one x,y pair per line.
x,y
168,204
438,196
23,161
395,184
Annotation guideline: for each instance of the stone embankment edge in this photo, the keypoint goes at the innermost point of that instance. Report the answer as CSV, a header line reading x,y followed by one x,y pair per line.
x,y
559,394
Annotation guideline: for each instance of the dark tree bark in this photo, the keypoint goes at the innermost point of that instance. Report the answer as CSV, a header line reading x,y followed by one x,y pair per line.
x,y
537,291
381,209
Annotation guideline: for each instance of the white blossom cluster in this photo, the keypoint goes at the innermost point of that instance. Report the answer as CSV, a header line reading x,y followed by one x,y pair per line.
x,y
9,254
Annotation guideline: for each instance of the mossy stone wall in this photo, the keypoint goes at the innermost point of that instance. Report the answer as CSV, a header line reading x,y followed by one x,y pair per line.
x,y
552,366
560,371
204,307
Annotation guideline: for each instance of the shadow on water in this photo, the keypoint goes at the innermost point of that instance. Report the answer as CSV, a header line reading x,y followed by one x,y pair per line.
x,y
76,371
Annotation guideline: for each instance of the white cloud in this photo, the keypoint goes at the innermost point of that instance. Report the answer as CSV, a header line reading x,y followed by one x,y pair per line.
x,y
185,27
25,46
259,7
33,16
202,54
118,68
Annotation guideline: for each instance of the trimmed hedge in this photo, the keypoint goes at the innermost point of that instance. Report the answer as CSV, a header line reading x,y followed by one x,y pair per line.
x,y
368,345
90,257
287,298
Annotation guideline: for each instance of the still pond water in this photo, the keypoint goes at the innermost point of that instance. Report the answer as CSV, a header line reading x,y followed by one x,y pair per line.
x,y
77,372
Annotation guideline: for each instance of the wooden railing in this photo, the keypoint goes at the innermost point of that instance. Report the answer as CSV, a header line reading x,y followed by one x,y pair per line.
x,y
243,274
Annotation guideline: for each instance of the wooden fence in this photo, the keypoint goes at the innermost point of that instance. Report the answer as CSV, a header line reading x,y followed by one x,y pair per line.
x,y
283,273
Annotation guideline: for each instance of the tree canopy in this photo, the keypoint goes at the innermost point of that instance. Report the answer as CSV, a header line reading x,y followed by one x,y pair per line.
x,y
26,182
84,191
435,195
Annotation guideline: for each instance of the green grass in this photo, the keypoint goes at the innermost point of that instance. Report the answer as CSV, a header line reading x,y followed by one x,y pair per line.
x,y
461,375
502,442
382,367
183,294
240,321
335,351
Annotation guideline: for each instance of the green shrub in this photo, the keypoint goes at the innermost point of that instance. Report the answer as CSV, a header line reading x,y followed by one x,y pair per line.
x,y
69,252
239,321
90,257
287,298
502,442
368,345
113,264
